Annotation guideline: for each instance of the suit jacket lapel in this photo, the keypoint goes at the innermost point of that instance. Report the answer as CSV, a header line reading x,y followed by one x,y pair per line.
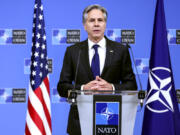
x,y
109,55
85,59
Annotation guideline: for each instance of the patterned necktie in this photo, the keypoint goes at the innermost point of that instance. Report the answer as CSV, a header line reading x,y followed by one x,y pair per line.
x,y
95,62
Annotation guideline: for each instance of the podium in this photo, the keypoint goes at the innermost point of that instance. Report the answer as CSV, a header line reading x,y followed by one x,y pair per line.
x,y
106,112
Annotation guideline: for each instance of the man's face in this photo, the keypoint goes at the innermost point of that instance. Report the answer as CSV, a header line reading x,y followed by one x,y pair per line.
x,y
95,25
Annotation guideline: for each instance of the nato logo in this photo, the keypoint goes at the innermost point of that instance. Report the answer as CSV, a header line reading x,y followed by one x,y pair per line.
x,y
59,36
142,65
114,34
56,98
171,35
27,64
160,86
65,36
107,118
5,95
5,36
12,95
9,36
107,113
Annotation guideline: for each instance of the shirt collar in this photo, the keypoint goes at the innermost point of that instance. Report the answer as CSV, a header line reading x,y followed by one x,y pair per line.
x,y
101,43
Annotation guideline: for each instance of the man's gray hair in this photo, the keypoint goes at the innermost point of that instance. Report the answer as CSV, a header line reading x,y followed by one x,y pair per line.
x,y
91,7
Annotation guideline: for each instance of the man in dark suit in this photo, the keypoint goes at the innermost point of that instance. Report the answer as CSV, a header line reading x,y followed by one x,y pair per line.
x,y
103,64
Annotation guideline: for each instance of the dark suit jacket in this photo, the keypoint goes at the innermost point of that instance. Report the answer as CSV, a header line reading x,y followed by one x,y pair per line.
x,y
117,70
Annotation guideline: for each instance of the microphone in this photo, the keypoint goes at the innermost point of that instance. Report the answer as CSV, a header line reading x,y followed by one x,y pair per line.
x,y
141,93
73,94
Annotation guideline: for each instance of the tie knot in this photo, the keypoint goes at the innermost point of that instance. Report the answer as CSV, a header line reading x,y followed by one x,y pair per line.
x,y
95,47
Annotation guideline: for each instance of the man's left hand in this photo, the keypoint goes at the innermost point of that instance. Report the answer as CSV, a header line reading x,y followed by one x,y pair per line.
x,y
102,84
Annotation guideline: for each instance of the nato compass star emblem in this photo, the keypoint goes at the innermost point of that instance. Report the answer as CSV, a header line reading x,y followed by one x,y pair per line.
x,y
107,113
159,98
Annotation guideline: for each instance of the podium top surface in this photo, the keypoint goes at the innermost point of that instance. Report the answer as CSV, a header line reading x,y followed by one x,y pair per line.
x,y
104,92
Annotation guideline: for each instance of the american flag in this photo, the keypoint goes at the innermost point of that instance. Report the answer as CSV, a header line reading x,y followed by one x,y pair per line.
x,y
38,119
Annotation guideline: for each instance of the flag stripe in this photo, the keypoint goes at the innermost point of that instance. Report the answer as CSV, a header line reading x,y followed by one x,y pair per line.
x,y
36,118
27,130
46,95
46,103
46,81
43,98
32,126
38,103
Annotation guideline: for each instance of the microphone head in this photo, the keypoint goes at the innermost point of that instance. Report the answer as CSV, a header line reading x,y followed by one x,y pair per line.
x,y
141,96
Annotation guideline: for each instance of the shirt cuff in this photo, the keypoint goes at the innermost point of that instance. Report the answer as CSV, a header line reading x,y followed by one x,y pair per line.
x,y
113,88
82,87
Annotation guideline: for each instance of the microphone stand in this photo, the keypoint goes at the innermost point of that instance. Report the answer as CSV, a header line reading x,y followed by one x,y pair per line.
x,y
141,93
73,94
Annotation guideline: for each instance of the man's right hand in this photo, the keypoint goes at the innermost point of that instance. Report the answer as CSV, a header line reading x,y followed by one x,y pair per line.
x,y
98,84
92,84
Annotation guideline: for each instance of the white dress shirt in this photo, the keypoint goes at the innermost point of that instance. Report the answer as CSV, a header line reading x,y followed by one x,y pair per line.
x,y
101,52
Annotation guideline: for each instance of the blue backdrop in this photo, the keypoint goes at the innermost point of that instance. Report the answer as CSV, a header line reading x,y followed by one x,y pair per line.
x,y
62,15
